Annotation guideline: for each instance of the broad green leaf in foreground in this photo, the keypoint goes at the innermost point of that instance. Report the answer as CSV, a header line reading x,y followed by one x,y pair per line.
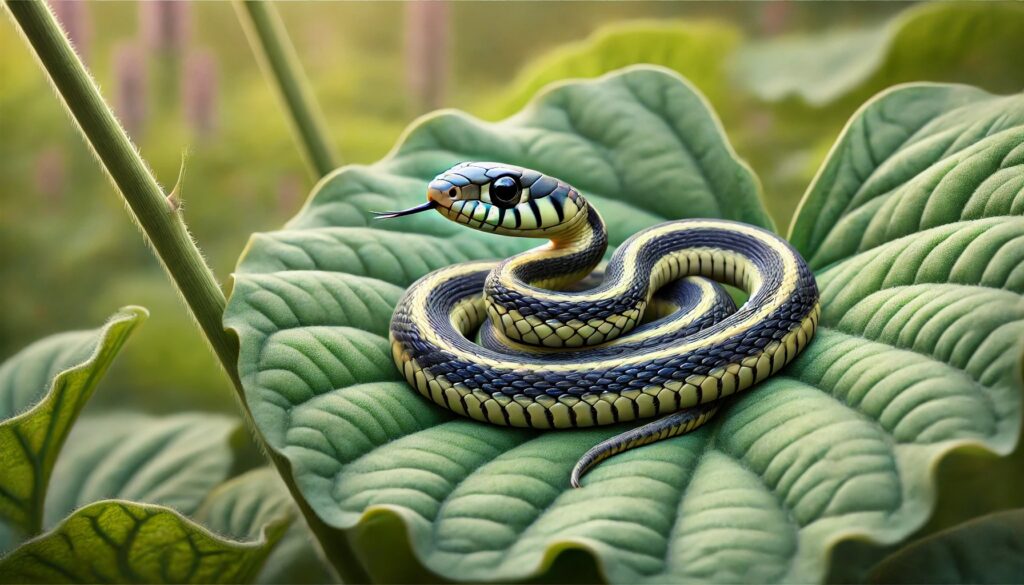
x,y
42,390
241,507
173,461
919,354
171,464
976,40
984,550
126,542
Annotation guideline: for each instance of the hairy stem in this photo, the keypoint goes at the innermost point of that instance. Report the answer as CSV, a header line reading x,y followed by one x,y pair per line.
x,y
274,50
160,218
156,213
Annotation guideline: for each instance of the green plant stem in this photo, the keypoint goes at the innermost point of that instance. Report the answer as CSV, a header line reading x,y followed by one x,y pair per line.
x,y
160,218
276,54
157,214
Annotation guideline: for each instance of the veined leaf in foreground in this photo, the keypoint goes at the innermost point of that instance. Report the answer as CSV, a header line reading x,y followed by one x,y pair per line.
x,y
241,508
125,542
842,444
42,390
172,461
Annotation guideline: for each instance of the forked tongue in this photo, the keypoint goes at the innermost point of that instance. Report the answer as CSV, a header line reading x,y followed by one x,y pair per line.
x,y
390,214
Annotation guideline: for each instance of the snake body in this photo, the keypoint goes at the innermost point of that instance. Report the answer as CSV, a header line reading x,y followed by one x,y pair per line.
x,y
656,337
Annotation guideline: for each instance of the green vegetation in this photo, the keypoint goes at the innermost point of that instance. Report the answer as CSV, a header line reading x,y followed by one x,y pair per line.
x,y
824,68
882,451
831,73
74,514
880,395
125,542
985,550
277,56
43,389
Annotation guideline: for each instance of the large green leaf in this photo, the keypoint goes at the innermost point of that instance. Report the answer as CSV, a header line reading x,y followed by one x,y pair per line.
x,y
241,507
984,550
42,390
967,42
126,542
913,158
173,461
842,445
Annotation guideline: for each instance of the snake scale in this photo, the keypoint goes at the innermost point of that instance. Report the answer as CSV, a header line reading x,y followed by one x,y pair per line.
x,y
543,340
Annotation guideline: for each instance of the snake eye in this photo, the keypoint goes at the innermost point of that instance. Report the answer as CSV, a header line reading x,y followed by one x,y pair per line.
x,y
505,191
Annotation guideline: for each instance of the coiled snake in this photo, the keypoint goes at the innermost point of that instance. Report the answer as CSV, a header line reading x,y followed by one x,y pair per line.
x,y
654,337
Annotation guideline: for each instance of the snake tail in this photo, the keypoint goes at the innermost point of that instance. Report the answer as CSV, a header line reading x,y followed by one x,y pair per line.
x,y
673,425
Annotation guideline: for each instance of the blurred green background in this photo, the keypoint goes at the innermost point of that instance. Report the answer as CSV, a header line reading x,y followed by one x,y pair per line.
x,y
783,77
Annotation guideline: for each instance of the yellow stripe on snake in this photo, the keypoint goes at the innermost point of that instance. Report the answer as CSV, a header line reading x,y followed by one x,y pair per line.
x,y
541,340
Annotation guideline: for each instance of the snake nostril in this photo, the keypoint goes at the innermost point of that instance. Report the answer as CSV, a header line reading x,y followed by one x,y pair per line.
x,y
453,192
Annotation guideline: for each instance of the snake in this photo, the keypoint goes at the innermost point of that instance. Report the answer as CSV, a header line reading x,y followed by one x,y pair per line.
x,y
556,338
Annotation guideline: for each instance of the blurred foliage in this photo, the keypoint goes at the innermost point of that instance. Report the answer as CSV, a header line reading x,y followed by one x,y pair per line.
x,y
697,50
241,507
42,391
966,43
962,43
833,73
125,542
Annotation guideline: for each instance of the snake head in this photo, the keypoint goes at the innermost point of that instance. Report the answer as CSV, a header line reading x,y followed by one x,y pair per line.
x,y
504,199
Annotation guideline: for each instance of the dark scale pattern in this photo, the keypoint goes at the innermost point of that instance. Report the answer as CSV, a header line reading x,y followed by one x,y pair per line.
x,y
543,187
481,173
701,361
473,174
682,294
674,424
582,261
638,291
